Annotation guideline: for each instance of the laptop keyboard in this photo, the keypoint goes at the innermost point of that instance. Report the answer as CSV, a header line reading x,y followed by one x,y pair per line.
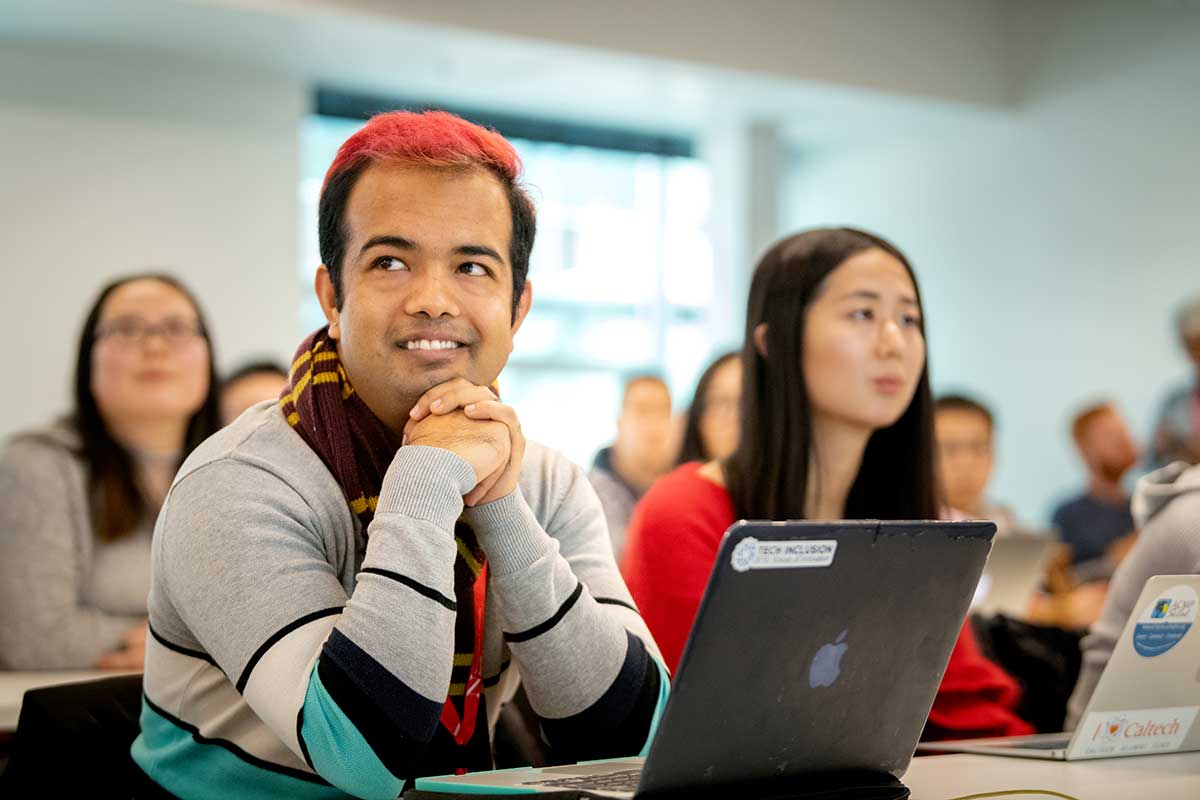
x,y
622,781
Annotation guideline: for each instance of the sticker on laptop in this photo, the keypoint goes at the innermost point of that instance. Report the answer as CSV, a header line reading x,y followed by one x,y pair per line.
x,y
1165,621
1153,730
750,553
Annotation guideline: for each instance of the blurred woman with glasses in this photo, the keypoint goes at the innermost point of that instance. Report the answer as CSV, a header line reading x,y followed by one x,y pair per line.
x,y
78,498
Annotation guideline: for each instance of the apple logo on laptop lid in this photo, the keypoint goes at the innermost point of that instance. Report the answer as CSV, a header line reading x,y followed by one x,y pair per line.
x,y
826,664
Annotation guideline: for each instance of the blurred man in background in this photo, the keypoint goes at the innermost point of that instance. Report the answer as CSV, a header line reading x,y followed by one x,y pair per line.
x,y
1177,432
249,385
965,432
1098,525
645,449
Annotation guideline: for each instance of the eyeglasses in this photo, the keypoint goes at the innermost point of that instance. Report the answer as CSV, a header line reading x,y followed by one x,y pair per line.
x,y
722,404
135,331
976,449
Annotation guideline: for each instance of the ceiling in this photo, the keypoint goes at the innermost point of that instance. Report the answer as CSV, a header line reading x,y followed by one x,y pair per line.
x,y
619,70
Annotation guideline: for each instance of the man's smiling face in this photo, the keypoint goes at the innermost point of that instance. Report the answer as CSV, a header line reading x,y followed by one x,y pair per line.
x,y
426,284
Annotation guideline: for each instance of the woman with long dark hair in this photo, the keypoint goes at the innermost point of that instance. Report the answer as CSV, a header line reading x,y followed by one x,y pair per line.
x,y
710,432
836,423
78,499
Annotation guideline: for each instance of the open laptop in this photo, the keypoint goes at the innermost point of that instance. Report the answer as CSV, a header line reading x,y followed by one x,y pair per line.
x,y
818,648
1013,571
1148,695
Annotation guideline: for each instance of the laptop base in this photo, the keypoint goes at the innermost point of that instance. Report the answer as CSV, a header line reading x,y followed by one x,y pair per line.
x,y
847,785
1045,746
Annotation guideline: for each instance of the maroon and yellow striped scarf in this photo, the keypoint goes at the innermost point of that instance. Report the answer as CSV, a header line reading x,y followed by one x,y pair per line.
x,y
321,405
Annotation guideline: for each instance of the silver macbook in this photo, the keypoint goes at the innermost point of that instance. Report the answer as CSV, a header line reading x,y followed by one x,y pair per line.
x,y
1147,698
1013,571
817,650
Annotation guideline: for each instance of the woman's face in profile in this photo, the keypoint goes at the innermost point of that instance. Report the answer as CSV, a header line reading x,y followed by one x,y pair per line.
x,y
150,359
864,350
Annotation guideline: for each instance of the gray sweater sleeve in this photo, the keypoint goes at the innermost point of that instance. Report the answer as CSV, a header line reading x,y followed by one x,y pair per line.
x,y
586,659
1169,544
44,535
353,683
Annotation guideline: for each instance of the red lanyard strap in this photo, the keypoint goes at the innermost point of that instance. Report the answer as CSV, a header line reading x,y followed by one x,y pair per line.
x,y
463,729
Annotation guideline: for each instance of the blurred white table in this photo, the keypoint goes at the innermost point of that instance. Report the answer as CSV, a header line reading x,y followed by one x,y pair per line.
x,y
1173,776
13,686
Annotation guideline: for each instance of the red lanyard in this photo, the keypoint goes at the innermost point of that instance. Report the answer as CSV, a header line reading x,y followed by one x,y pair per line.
x,y
463,729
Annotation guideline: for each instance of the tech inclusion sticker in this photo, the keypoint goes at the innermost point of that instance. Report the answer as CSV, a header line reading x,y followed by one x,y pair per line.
x,y
750,553
1165,621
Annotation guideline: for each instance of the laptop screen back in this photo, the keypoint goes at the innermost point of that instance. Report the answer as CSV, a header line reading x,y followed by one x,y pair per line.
x,y
1148,697
817,647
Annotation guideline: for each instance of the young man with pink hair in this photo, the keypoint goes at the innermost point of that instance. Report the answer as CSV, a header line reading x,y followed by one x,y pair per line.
x,y
348,583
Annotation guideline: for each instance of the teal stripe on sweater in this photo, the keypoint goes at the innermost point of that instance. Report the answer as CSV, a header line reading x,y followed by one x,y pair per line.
x,y
664,689
338,751
193,770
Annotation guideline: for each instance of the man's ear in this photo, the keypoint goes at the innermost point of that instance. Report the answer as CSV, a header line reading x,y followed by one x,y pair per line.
x,y
323,285
760,339
523,306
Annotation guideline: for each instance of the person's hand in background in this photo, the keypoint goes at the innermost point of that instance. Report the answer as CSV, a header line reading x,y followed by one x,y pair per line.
x,y
131,655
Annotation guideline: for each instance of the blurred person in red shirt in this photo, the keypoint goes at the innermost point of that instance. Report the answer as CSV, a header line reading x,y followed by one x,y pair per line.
x,y
836,423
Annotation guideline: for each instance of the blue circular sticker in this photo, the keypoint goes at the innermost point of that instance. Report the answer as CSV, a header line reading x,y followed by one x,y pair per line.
x,y
745,553
1165,621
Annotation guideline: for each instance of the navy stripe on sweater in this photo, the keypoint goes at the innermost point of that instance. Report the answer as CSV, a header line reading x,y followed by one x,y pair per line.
x,y
612,601
199,738
180,648
275,637
618,723
419,588
396,721
540,628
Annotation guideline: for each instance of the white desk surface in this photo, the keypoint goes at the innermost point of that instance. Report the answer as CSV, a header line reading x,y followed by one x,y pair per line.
x,y
1174,776
942,777
13,686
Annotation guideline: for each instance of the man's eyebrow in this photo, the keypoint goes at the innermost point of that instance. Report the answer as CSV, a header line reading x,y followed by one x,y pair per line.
x,y
867,294
398,242
478,250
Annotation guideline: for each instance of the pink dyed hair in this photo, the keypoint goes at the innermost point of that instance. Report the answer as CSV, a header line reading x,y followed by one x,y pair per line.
x,y
431,138
434,139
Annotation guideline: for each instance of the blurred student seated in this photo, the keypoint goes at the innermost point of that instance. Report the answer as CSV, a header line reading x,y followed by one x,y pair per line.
x,y
965,431
643,451
78,498
1166,505
1097,525
836,423
250,384
1177,432
711,430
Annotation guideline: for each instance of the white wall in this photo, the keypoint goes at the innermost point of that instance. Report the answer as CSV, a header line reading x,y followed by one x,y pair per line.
x,y
119,163
1053,242
1052,237
945,48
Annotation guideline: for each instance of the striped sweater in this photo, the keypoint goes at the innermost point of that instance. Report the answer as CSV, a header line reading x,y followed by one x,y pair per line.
x,y
293,655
